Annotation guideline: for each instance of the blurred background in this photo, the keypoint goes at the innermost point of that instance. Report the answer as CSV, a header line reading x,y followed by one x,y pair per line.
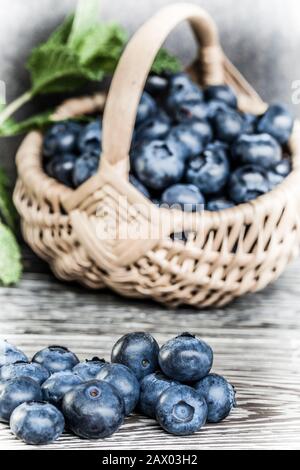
x,y
261,37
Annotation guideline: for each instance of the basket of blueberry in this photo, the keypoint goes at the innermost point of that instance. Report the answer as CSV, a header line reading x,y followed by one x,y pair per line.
x,y
171,384
209,172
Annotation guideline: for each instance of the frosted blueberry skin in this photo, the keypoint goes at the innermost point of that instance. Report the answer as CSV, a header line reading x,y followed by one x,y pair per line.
x,y
220,204
181,410
58,384
278,122
90,138
182,89
9,354
194,136
24,369
184,196
259,149
89,369
209,172
37,423
159,164
248,183
228,125
152,386
56,359
213,107
279,172
61,138
222,93
85,167
219,396
156,85
154,128
146,108
138,351
17,391
93,410
61,168
185,358
190,110
124,381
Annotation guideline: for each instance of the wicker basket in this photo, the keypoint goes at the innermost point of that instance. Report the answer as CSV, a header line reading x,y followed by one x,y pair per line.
x,y
226,254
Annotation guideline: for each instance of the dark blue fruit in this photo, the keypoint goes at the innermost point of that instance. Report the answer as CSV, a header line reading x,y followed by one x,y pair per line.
x,y
248,183
85,167
156,85
56,359
185,358
24,369
154,128
61,138
219,396
259,149
222,93
210,170
89,369
250,123
139,186
181,410
17,391
138,351
194,135
146,108
190,110
279,172
93,410
55,388
9,354
159,164
220,204
37,423
61,168
214,107
278,122
228,125
152,386
90,138
184,196
124,381
182,89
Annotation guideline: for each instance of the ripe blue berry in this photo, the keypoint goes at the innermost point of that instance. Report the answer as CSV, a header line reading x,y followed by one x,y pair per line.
x,y
190,110
24,369
182,89
156,85
146,109
138,351
222,93
184,196
152,386
58,384
194,135
278,122
185,358
181,410
279,172
90,138
85,167
9,354
248,183
220,204
37,423
154,128
219,396
17,391
56,359
214,106
228,125
259,149
89,369
61,168
93,410
61,138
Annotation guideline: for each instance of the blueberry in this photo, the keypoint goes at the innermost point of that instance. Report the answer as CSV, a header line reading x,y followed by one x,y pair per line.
x,y
219,396
93,410
182,89
194,135
159,164
259,149
213,107
89,369
9,354
228,125
139,186
181,410
156,85
24,369
37,423
184,196
58,384
138,351
124,381
90,138
146,108
154,128
17,391
210,170
250,123
61,138
191,110
56,359
85,167
220,204
279,172
61,168
185,358
248,183
222,93
278,122
152,386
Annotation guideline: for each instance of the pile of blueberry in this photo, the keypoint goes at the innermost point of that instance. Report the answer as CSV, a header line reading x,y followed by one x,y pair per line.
x,y
91,399
190,148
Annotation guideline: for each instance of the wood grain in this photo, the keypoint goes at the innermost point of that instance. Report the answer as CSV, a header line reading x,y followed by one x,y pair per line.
x,y
256,342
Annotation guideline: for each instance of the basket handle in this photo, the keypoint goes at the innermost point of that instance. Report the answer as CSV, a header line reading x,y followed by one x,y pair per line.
x,y
134,67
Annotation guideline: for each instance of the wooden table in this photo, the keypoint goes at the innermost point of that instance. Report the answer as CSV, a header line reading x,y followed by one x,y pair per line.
x,y
256,342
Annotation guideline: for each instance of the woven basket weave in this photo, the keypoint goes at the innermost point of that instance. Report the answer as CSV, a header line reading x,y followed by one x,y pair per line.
x,y
226,254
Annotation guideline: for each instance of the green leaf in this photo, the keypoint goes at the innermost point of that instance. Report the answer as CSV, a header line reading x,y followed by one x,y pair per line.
x,y
61,35
38,121
6,125
7,209
166,62
10,257
86,17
